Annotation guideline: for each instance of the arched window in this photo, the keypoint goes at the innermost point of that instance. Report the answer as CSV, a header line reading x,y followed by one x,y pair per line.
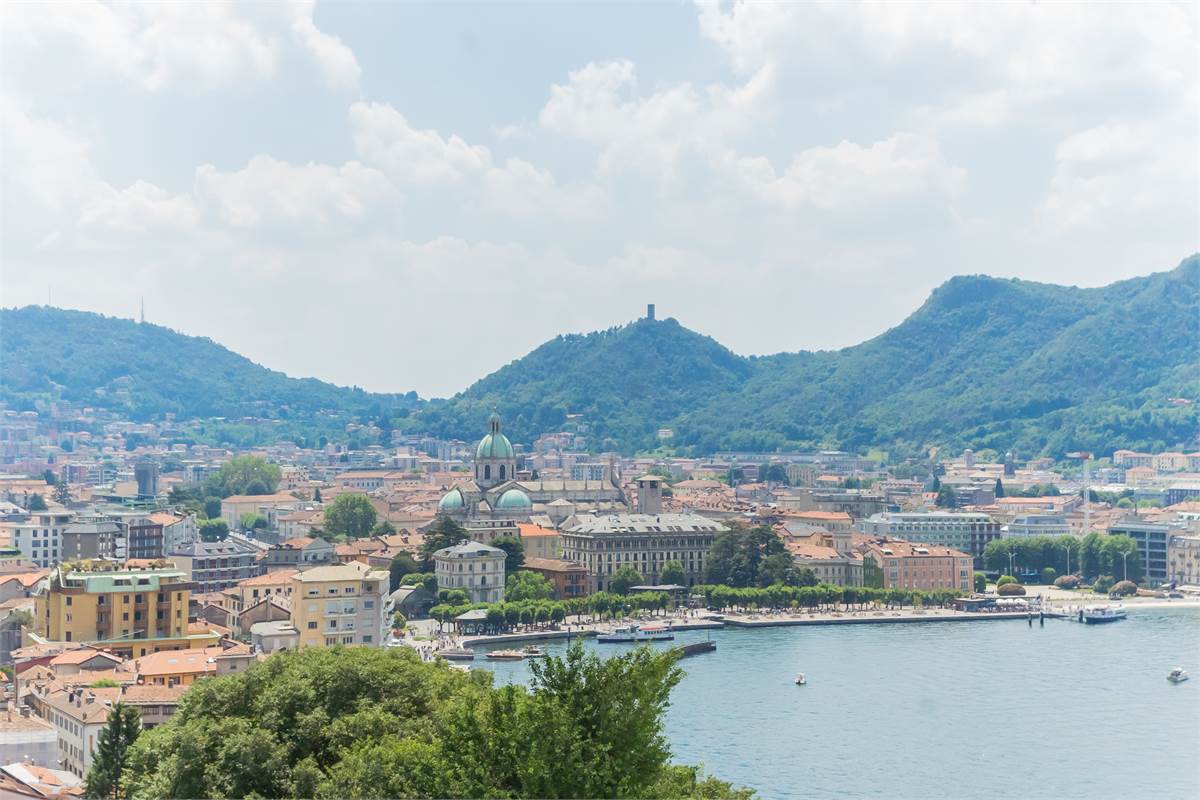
x,y
501,472
487,472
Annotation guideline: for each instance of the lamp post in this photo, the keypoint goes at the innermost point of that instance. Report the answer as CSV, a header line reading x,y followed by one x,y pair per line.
x,y
1010,563
1125,566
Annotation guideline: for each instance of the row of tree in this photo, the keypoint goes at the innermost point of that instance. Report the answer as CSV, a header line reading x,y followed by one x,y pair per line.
x,y
823,596
1091,556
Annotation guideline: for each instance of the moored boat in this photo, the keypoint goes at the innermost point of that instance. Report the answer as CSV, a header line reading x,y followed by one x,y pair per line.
x,y
1094,615
800,679
1177,675
533,651
505,655
457,654
633,633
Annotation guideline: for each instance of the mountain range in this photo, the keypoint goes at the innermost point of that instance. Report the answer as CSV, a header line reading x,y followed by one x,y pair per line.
x,y
986,363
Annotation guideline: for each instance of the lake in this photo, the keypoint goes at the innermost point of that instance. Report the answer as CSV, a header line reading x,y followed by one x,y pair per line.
x,y
989,709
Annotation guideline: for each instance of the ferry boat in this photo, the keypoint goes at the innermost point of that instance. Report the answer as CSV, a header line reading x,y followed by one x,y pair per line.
x,y
633,633
1094,615
1177,675
505,655
457,654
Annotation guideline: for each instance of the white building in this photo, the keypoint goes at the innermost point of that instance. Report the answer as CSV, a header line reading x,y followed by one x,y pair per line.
x,y
960,530
1036,525
477,569
38,535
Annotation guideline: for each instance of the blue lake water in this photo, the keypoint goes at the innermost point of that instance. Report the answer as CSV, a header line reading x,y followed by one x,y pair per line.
x,y
974,710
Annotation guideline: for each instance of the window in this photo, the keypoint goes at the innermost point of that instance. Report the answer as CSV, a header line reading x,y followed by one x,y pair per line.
x,y
312,626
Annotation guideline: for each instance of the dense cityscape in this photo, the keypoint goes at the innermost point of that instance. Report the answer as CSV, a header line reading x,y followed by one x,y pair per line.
x,y
135,564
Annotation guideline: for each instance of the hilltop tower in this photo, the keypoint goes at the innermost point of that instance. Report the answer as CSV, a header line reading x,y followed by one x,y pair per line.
x,y
649,494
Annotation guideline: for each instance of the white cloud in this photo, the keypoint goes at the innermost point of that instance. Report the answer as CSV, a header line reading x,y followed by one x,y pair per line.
x,y
269,192
140,208
522,190
210,45
383,136
849,176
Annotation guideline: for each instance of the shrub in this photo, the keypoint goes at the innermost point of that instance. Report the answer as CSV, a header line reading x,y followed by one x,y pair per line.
x,y
980,582
1010,589
398,621
1067,582
1102,584
1124,588
1005,579
1049,575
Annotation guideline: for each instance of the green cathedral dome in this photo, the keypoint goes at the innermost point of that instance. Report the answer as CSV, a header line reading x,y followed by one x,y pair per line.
x,y
514,499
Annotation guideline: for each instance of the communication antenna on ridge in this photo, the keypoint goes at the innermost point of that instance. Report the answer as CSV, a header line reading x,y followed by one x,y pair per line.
x,y
142,310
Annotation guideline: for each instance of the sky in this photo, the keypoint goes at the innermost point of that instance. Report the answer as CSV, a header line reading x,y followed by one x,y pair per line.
x,y
409,196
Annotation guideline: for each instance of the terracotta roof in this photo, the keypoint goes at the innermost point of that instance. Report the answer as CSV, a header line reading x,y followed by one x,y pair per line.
x,y
144,694
178,662
528,529
552,565
272,578
82,655
26,579
278,497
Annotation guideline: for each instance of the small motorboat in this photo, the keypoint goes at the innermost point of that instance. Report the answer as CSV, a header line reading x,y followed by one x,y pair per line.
x,y
457,654
533,651
1094,615
506,655
1177,675
800,679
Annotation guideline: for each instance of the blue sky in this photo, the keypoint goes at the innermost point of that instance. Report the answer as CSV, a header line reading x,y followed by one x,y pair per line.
x,y
407,196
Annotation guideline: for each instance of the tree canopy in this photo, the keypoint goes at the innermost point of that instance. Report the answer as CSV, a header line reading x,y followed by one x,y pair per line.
x,y
243,475
349,516
108,776
374,723
526,585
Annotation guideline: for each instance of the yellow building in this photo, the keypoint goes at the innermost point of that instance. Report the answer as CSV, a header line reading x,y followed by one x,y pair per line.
x,y
130,612
339,604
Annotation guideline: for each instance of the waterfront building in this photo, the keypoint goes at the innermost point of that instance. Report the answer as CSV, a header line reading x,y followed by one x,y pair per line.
x,y
569,579
339,604
1183,560
907,565
1151,539
961,530
130,612
474,567
830,558
603,543
1036,525
539,542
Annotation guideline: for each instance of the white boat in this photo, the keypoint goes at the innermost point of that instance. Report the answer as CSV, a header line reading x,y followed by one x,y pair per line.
x,y
1177,675
800,679
633,633
1094,615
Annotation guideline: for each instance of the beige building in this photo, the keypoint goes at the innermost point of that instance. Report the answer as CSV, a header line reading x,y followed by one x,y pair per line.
x,y
830,558
339,604
475,568
234,506
540,542
1183,560
130,612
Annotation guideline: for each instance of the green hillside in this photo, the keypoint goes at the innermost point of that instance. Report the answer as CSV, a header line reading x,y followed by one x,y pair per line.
x,y
985,363
146,370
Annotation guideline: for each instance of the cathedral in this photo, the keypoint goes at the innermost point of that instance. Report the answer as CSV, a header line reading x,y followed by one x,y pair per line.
x,y
494,498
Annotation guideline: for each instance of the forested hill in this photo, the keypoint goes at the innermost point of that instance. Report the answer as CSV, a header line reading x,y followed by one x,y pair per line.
x,y
146,370
985,363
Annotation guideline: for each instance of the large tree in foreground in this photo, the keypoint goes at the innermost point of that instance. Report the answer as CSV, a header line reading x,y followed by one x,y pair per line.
x,y
108,776
367,723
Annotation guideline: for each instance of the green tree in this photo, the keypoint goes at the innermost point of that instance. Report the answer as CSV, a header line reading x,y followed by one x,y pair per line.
x,y
212,506
524,585
946,497
999,489
317,495
109,775
36,503
444,533
514,552
980,582
1049,575
253,522
62,492
672,573
1004,580
402,564
48,477
350,516
778,568
383,528
624,579
241,474
214,530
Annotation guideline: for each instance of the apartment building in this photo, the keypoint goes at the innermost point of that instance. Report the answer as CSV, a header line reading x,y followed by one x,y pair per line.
x,y
1183,560
905,565
129,612
213,566
1151,539
966,531
1036,525
38,535
339,604
473,567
